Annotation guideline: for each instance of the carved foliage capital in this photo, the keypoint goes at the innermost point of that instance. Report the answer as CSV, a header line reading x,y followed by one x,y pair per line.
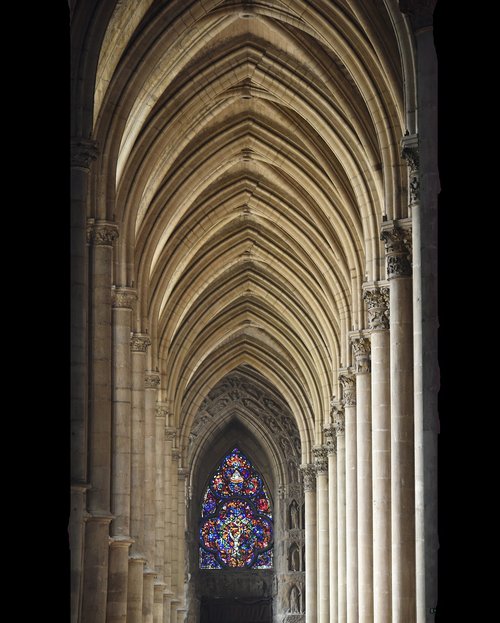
x,y
320,454
377,302
123,298
162,411
102,233
139,342
398,249
348,382
83,152
152,380
170,434
309,476
361,347
330,439
339,419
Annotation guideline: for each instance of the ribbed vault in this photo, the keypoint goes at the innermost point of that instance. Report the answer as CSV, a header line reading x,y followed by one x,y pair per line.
x,y
250,151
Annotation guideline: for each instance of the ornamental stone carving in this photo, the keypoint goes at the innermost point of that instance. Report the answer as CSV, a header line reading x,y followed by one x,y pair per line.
x,y
162,411
123,298
409,151
309,476
170,434
83,152
339,419
139,342
361,347
330,439
377,302
320,454
102,233
152,380
348,382
397,251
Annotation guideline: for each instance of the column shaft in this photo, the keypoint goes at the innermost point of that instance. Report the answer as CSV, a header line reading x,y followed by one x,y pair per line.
x,y
323,545
135,589
148,597
331,444
348,383
152,382
310,542
181,536
116,611
361,348
341,516
161,418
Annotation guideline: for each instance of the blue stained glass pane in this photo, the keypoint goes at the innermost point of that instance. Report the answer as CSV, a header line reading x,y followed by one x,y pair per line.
x,y
237,527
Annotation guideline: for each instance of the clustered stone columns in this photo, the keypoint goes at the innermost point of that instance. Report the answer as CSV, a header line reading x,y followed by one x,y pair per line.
x,y
320,454
83,153
100,237
348,382
397,238
361,349
161,420
120,541
309,476
339,423
377,300
331,448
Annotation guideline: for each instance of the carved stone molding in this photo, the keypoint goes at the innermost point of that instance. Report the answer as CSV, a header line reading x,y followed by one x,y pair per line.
x,y
362,348
123,298
330,439
320,454
339,419
348,382
152,380
83,152
377,303
139,342
102,233
397,251
170,434
309,476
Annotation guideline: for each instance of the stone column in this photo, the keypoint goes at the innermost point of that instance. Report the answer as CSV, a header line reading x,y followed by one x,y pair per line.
x,y
331,447
320,454
167,567
309,475
139,344
348,382
123,300
148,596
339,424
174,530
361,350
101,236
151,385
396,240
377,299
83,153
421,155
159,586
181,539
135,588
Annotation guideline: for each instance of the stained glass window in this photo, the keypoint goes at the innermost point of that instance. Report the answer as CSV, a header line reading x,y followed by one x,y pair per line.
x,y
236,527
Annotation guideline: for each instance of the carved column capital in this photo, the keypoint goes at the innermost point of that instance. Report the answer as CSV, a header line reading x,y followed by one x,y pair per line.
x,y
320,454
152,380
330,439
348,382
83,152
377,303
339,419
361,347
123,298
309,476
101,233
162,411
397,251
409,151
139,342
170,433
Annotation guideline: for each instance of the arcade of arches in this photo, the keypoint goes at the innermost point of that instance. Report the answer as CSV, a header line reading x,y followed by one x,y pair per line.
x,y
253,237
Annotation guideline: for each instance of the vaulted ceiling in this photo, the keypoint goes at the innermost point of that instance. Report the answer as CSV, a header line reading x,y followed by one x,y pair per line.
x,y
249,153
